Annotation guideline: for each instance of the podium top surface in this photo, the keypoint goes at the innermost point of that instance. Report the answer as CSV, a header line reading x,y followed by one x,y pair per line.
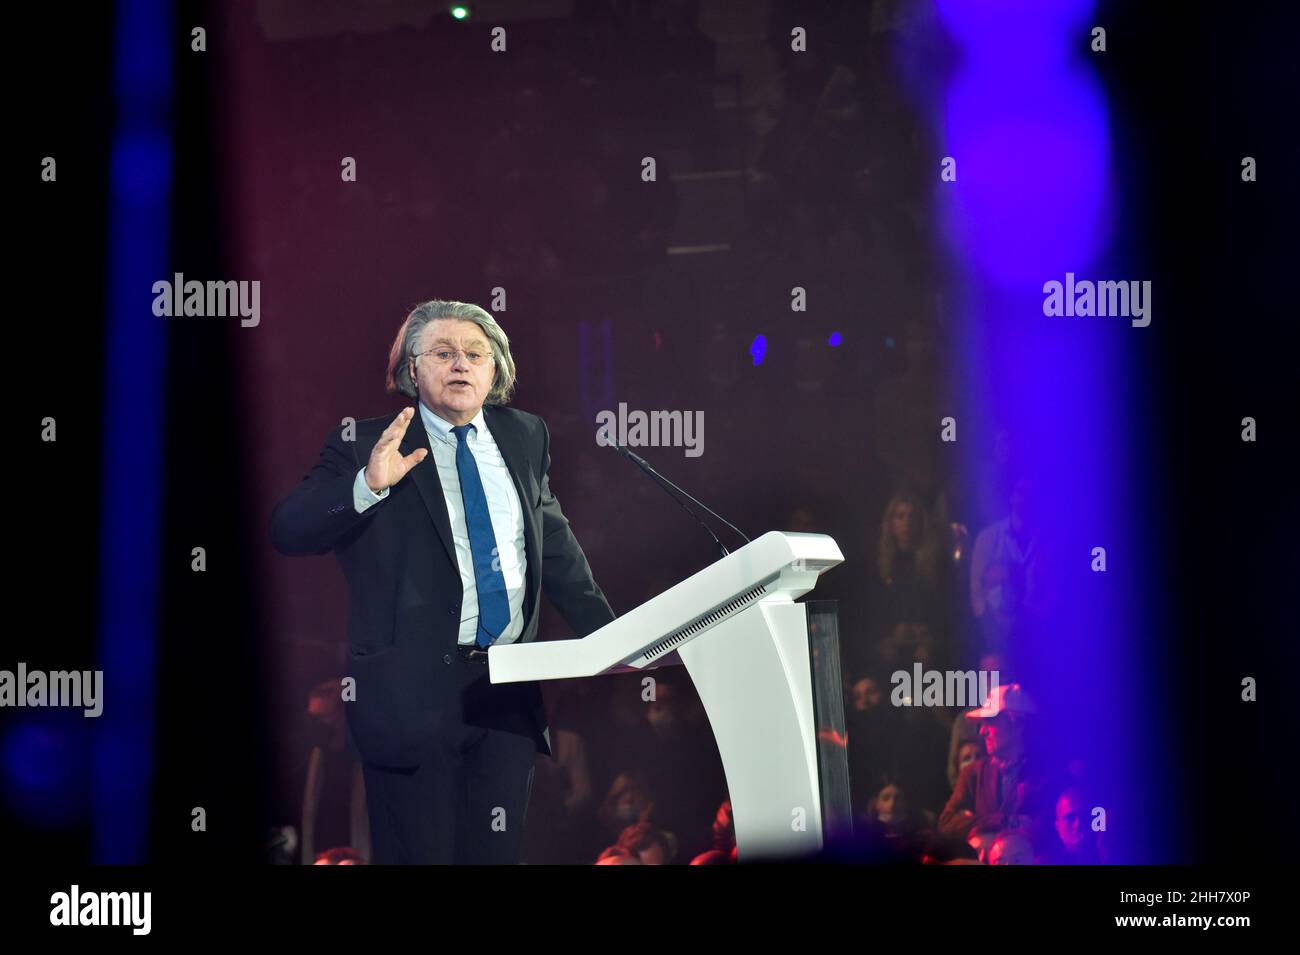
x,y
777,563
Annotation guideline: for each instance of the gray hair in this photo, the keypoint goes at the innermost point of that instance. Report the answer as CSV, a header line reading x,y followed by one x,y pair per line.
x,y
408,339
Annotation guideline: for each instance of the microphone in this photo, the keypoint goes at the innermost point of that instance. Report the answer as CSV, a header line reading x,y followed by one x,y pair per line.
x,y
669,487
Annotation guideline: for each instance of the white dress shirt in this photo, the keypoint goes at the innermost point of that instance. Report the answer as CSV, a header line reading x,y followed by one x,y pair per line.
x,y
503,508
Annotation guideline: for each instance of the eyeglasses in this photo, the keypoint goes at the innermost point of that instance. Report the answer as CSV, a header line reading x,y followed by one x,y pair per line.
x,y
444,355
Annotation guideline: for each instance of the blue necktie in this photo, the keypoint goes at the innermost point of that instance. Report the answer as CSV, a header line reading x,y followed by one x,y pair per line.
x,y
493,605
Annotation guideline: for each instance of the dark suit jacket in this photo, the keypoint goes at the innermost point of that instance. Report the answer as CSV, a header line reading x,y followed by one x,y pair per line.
x,y
404,583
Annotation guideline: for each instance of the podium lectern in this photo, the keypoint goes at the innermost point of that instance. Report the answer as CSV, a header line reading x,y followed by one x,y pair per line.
x,y
744,642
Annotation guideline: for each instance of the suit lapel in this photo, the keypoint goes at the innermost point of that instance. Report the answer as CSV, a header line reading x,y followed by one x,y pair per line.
x,y
425,476
512,452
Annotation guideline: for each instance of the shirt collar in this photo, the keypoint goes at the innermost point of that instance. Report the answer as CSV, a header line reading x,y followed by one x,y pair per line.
x,y
441,430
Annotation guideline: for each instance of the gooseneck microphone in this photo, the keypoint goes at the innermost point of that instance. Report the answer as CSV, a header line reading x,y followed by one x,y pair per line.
x,y
673,491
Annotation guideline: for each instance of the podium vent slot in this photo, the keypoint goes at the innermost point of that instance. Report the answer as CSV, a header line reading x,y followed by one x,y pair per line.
x,y
708,620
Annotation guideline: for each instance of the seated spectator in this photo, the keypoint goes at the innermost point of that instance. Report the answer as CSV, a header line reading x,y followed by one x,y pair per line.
x,y
650,845
1008,585
1011,847
627,802
892,811
905,584
892,828
906,643
1073,842
1004,790
864,694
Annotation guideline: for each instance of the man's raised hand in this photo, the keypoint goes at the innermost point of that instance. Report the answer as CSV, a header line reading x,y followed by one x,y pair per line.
x,y
387,466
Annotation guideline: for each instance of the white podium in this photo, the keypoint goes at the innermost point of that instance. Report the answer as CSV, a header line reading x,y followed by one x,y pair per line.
x,y
744,642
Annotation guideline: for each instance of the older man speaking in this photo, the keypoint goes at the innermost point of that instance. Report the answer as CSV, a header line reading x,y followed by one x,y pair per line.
x,y
443,558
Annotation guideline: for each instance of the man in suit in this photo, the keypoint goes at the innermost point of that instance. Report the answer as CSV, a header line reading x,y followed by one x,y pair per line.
x,y
443,558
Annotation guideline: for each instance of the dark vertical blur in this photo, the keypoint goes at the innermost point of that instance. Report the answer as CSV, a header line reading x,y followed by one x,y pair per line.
x,y
57,107
1193,96
211,732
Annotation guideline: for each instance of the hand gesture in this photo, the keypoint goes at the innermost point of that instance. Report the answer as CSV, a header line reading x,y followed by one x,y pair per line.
x,y
387,466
